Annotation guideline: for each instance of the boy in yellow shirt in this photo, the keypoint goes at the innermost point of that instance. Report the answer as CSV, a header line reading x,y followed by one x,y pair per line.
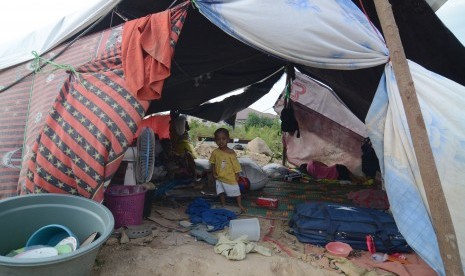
x,y
225,168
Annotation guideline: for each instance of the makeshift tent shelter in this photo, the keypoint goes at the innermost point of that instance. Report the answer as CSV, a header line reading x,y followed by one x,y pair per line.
x,y
209,63
329,131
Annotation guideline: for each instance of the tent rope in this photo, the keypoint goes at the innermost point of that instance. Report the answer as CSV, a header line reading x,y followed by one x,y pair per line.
x,y
290,76
194,4
39,62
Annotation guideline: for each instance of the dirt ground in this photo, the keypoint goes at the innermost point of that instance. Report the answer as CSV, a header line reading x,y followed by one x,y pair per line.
x,y
192,258
172,252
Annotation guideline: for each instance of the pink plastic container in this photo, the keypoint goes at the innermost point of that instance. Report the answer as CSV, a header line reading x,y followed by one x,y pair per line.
x,y
126,203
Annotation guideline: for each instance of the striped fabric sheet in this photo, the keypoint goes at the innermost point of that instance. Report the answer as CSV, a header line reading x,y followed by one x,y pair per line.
x,y
90,125
25,105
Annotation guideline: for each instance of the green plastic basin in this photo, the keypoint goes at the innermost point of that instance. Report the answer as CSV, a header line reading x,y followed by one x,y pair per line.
x,y
21,216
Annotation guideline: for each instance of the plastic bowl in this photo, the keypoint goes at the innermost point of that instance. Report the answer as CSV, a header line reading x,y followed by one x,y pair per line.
x,y
50,235
339,249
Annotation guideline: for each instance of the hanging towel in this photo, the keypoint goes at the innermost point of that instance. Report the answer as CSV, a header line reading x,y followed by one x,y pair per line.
x,y
147,48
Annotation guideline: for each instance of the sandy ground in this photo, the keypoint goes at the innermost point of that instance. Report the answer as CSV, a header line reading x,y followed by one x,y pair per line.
x,y
170,252
193,258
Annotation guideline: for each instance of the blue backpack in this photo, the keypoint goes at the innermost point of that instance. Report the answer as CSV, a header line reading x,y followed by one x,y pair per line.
x,y
319,223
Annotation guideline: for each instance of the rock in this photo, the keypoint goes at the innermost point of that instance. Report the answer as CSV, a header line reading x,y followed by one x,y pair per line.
x,y
238,147
257,145
205,150
124,238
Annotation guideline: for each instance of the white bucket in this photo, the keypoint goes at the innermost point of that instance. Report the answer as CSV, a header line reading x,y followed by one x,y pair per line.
x,y
249,227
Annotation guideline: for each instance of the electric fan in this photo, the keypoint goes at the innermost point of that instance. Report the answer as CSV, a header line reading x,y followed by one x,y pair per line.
x,y
146,157
141,159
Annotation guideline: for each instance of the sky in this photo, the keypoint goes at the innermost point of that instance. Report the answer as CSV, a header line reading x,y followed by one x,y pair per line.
x,y
32,14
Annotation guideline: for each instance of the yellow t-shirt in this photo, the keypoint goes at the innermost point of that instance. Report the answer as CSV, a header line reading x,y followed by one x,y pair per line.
x,y
226,166
181,146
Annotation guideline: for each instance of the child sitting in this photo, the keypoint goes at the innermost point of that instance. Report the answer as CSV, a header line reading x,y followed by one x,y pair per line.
x,y
225,168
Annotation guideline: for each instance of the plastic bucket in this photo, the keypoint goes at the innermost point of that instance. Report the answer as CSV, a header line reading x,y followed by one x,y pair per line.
x,y
126,203
22,216
249,227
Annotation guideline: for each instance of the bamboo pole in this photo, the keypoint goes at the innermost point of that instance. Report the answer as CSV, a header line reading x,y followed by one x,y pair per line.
x,y
440,214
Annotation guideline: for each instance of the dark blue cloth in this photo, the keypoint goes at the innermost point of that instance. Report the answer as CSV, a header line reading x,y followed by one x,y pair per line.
x,y
196,208
200,212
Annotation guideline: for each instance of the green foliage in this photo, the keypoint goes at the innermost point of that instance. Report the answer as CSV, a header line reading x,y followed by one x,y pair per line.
x,y
256,126
254,120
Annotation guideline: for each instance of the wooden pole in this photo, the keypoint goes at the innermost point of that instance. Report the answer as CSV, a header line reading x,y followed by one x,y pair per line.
x,y
440,214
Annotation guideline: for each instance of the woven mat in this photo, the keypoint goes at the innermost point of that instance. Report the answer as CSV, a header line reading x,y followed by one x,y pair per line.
x,y
289,194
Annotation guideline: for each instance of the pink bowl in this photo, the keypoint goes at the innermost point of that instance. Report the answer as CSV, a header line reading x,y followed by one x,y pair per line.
x,y
339,249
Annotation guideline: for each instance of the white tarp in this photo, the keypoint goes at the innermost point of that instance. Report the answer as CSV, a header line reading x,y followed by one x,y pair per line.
x,y
336,35
441,101
318,33
43,38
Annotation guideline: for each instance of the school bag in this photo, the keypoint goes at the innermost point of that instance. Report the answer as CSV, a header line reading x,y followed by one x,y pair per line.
x,y
319,223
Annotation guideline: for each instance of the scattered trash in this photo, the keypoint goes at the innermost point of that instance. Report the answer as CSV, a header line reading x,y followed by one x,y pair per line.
x,y
267,202
237,249
370,244
379,257
397,257
203,235
185,223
